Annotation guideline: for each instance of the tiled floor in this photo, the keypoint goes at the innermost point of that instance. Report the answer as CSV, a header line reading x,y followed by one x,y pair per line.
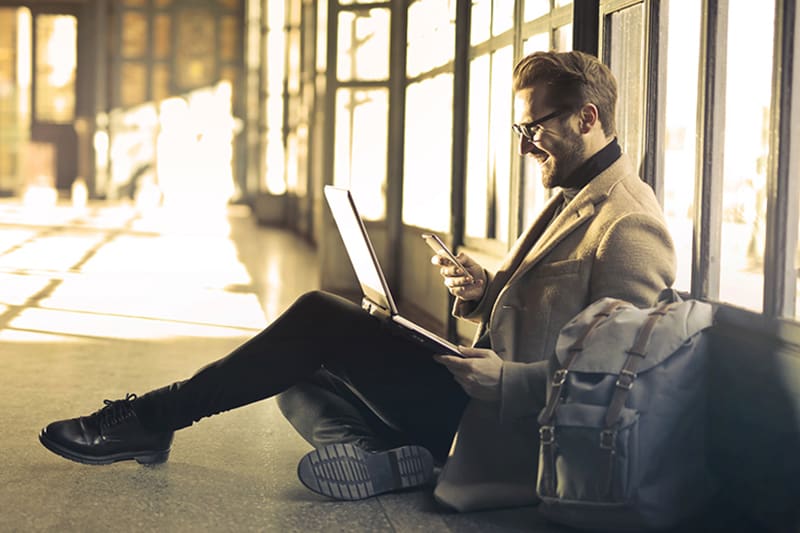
x,y
98,303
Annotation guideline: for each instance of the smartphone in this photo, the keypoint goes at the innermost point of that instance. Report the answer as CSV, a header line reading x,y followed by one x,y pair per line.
x,y
440,247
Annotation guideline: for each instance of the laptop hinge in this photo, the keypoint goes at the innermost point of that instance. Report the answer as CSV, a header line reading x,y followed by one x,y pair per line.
x,y
374,309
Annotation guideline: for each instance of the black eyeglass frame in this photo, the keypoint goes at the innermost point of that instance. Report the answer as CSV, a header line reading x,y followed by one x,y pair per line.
x,y
528,129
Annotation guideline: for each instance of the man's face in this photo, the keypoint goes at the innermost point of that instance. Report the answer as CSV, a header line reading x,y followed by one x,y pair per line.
x,y
556,145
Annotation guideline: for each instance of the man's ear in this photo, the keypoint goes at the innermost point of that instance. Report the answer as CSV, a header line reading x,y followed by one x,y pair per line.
x,y
589,117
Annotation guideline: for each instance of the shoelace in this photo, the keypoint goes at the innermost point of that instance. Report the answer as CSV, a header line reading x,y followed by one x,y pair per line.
x,y
115,411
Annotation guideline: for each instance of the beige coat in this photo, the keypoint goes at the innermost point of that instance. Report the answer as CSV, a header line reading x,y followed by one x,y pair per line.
x,y
610,240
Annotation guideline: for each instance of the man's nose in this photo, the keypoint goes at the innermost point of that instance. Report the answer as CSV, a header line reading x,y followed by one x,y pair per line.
x,y
525,145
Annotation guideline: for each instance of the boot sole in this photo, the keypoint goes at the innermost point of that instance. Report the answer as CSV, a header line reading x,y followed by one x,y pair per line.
x,y
346,472
145,458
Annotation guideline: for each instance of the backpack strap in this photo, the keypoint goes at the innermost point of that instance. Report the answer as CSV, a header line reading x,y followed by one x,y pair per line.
x,y
546,430
625,380
628,373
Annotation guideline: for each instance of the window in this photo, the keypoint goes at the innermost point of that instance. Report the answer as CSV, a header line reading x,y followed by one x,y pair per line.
x,y
360,147
428,145
625,56
680,146
747,104
363,45
428,153
56,64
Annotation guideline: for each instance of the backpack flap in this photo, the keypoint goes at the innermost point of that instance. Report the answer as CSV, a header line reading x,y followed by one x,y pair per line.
x,y
612,337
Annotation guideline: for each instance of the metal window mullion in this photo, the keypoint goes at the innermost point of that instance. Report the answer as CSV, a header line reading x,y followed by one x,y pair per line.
x,y
331,87
780,277
706,239
395,139
655,91
459,151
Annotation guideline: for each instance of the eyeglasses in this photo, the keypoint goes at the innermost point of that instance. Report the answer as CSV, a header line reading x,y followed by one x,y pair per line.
x,y
529,130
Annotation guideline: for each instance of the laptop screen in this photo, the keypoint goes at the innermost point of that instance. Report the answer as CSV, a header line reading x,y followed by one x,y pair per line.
x,y
359,248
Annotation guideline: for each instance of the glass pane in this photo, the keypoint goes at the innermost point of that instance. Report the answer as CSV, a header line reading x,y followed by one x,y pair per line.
x,y
229,38
562,38
502,16
431,36
536,43
797,255
747,102
683,44
56,62
428,153
15,78
627,63
363,45
500,138
161,80
133,83
477,152
134,34
293,72
536,8
162,36
479,21
360,147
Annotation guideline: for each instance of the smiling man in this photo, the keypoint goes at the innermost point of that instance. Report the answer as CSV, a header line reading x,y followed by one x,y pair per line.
x,y
602,234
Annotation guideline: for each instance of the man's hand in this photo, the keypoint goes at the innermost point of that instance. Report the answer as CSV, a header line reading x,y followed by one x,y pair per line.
x,y
478,372
460,285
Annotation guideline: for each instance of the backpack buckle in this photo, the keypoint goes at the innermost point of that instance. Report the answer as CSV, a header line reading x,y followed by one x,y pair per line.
x,y
607,439
625,379
547,435
559,377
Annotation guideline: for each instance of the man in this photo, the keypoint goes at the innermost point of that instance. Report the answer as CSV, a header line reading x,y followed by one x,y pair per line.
x,y
381,410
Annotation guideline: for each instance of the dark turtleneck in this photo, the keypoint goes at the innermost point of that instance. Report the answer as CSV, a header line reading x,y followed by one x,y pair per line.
x,y
593,166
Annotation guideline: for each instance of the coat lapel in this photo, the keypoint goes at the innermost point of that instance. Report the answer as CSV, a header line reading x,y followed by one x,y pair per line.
x,y
579,211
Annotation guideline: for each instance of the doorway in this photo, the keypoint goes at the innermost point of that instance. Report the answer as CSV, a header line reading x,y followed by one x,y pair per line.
x,y
38,98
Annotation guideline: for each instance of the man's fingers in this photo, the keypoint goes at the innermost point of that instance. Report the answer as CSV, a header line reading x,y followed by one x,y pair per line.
x,y
453,363
466,351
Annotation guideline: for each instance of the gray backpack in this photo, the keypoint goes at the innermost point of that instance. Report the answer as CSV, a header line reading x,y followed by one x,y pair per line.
x,y
622,442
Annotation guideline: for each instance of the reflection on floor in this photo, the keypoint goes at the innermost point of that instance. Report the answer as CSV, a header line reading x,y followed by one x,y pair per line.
x,y
100,302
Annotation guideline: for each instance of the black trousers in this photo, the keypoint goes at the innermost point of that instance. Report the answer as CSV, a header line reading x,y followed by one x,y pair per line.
x,y
342,376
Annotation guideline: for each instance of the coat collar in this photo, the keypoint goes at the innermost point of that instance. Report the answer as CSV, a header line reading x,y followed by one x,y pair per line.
x,y
541,237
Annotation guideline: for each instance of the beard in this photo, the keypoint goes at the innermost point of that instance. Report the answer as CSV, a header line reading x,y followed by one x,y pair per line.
x,y
561,160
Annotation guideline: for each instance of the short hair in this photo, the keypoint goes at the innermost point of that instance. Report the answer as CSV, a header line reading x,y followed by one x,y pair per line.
x,y
573,79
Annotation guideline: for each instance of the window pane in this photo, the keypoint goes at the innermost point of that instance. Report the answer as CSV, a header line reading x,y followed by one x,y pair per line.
x,y
683,44
503,16
500,138
562,38
56,63
431,36
536,8
489,147
479,21
363,45
428,153
477,143
134,26
627,60
747,102
536,43
360,147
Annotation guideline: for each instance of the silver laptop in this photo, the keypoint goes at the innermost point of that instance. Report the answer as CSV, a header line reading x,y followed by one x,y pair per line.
x,y
376,296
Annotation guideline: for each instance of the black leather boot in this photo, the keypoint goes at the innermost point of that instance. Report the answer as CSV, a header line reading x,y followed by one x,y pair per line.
x,y
114,433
